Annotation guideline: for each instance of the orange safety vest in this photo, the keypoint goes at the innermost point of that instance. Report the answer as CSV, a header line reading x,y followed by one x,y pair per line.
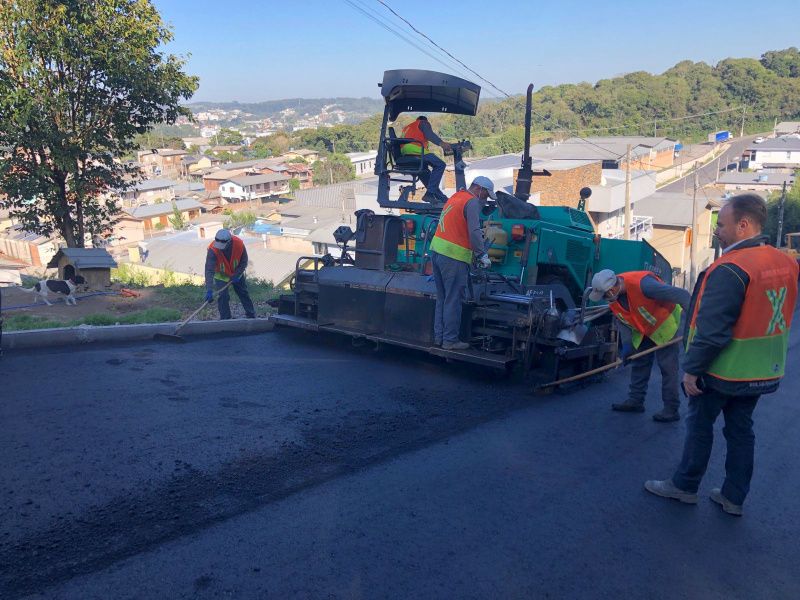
x,y
452,236
414,132
757,350
646,317
225,268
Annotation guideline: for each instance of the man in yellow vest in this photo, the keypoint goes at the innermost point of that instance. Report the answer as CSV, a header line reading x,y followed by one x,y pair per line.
x,y
421,131
651,312
458,238
226,261
737,337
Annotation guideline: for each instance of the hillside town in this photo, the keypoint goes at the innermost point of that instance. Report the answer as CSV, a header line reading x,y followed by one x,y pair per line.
x,y
180,198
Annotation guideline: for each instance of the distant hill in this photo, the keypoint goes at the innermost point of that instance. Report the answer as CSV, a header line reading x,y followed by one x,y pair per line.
x,y
360,107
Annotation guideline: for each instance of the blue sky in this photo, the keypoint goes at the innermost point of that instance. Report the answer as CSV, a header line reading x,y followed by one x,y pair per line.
x,y
250,50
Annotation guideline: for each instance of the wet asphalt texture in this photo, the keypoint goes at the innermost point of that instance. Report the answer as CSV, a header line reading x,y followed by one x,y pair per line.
x,y
285,465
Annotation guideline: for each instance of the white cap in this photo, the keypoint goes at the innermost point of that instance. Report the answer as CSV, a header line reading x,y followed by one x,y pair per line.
x,y
602,282
222,239
486,184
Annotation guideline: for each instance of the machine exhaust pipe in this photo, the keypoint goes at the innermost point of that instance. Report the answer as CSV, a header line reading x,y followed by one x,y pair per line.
x,y
525,175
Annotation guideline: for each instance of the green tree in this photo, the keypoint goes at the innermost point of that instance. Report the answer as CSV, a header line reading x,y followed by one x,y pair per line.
x,y
78,81
294,185
333,169
228,137
791,213
240,219
176,220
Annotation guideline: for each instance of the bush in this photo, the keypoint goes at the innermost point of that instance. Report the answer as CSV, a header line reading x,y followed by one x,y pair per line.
x,y
130,276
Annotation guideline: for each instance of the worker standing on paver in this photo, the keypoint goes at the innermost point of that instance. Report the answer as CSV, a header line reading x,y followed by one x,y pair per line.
x,y
226,261
651,312
458,238
421,131
737,336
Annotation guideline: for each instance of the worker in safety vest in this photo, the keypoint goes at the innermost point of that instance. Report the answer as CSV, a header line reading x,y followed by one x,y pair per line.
x,y
226,261
458,237
421,131
736,336
651,312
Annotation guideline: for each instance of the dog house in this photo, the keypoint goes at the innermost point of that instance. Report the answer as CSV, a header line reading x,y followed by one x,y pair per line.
x,y
93,264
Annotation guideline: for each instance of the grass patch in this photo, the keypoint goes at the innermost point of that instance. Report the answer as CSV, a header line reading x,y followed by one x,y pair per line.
x,y
189,296
150,315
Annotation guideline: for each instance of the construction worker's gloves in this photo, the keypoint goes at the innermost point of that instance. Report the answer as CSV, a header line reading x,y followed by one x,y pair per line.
x,y
209,295
484,262
625,353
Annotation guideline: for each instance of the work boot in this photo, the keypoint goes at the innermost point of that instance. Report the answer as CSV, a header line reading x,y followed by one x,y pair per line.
x,y
455,345
628,406
728,506
667,489
667,415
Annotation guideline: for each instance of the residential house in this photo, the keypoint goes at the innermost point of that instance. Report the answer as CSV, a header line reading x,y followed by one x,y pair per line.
x,y
193,164
647,153
222,149
307,155
161,161
671,213
363,162
253,187
149,191
787,128
762,181
781,152
155,217
31,248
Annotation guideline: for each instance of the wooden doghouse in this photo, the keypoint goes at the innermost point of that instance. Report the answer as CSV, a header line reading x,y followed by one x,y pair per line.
x,y
93,264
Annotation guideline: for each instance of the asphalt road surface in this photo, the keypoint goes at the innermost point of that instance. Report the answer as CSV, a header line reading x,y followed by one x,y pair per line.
x,y
707,174
284,466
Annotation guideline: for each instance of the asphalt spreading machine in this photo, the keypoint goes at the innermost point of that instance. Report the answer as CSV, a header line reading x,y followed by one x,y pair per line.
x,y
528,311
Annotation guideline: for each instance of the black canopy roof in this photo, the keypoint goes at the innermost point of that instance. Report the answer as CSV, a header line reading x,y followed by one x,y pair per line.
x,y
414,90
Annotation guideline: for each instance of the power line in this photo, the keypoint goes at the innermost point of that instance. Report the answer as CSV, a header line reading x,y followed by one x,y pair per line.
x,y
407,22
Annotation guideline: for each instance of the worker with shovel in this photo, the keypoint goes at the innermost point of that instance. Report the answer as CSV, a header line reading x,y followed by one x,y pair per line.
x,y
226,261
651,313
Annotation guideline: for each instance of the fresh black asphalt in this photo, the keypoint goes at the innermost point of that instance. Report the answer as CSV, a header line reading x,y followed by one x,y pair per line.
x,y
287,466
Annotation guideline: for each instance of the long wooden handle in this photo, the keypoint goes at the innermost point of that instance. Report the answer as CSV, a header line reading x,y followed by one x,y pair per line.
x,y
616,363
206,303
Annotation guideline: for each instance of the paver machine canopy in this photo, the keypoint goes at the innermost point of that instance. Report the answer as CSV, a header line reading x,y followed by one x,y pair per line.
x,y
418,91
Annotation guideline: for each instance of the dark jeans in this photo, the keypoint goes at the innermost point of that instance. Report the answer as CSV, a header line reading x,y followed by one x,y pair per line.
x,y
450,276
640,374
224,299
433,178
738,431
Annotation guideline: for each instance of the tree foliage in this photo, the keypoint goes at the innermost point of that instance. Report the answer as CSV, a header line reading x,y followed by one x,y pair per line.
x,y
334,168
228,137
791,213
176,219
78,82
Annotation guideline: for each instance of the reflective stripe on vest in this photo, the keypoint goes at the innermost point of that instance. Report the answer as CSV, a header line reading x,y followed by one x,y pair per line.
x,y
655,319
452,236
414,132
224,268
757,350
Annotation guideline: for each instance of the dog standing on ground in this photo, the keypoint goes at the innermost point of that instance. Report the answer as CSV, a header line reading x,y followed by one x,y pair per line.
x,y
57,286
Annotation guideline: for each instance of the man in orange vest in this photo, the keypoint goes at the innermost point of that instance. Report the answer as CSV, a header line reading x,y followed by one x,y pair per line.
x,y
421,131
226,261
737,336
458,237
651,313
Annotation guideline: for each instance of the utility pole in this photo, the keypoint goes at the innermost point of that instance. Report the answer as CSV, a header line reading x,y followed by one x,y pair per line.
x,y
716,178
780,216
693,249
655,127
741,133
628,193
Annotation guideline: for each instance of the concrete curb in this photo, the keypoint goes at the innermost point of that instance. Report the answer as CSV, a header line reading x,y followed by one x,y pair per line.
x,y
87,334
